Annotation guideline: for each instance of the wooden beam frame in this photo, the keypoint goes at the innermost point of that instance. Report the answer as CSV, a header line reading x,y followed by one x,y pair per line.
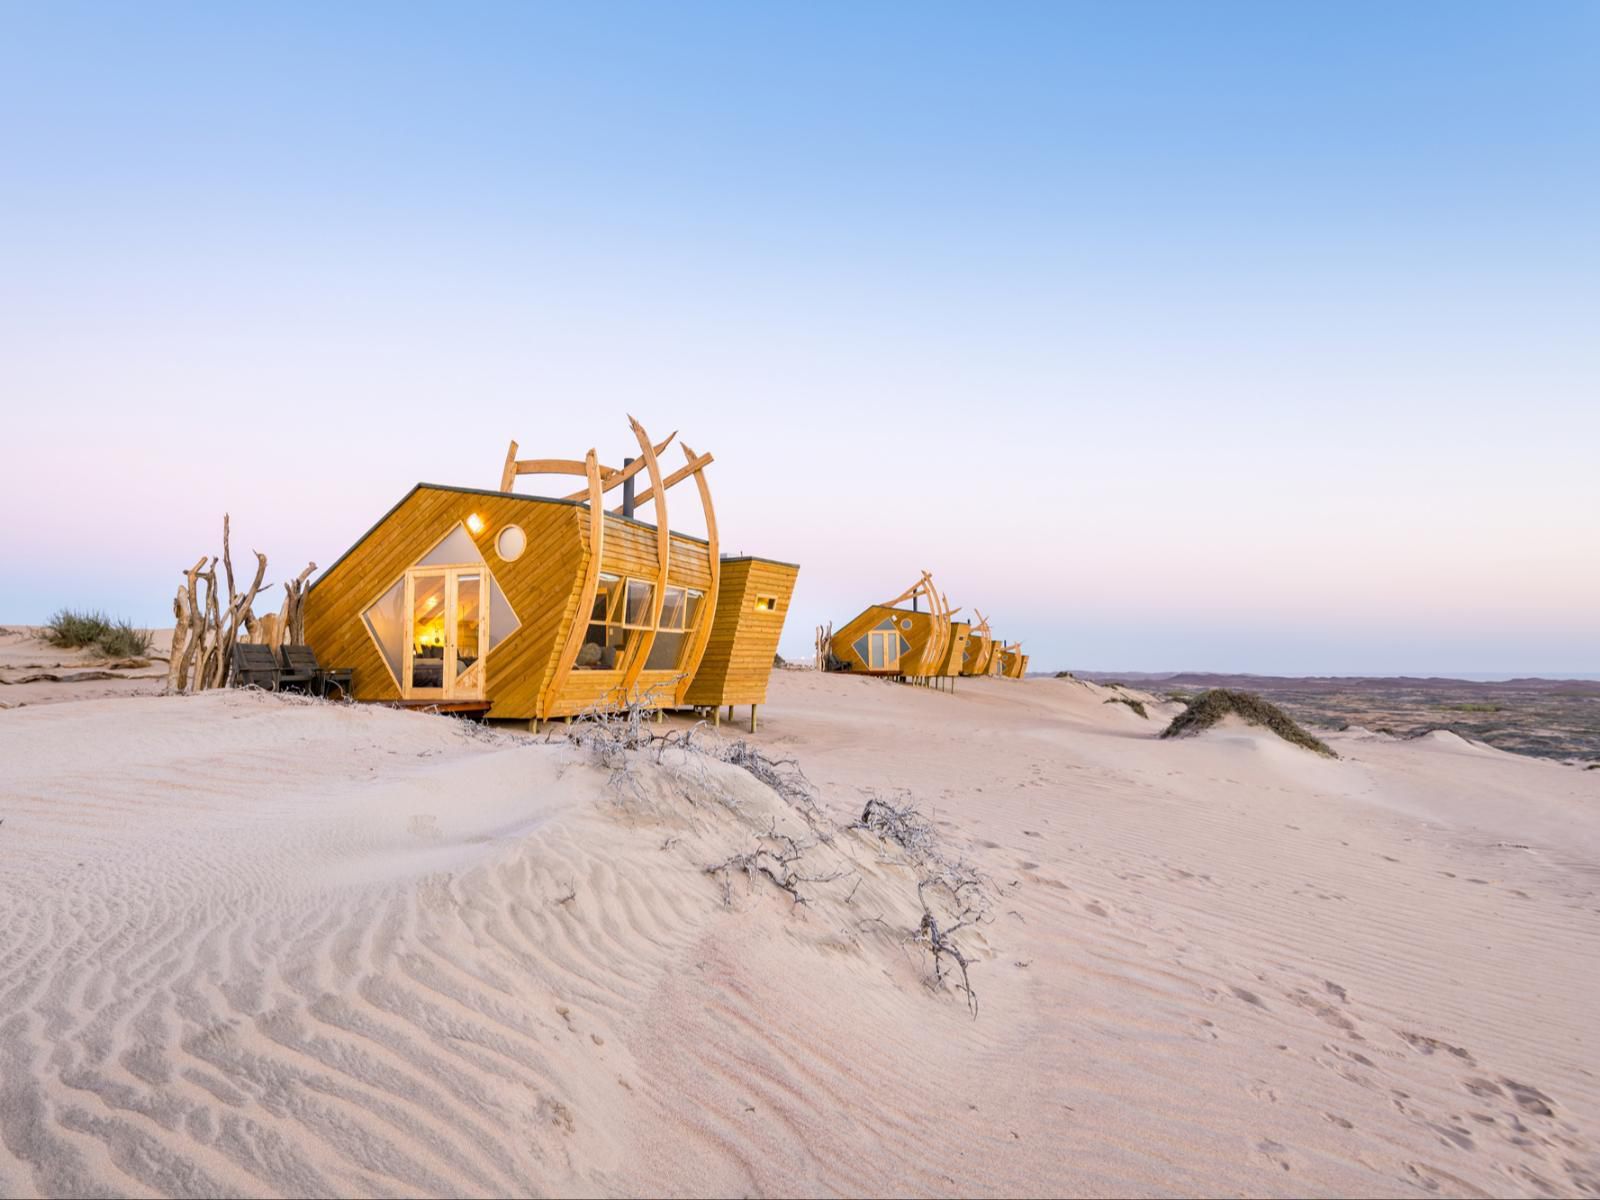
x,y
694,464
591,580
663,560
708,606
610,478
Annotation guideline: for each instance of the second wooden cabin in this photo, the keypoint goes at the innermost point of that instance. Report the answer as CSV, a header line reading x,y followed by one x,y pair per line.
x,y
531,607
898,637
977,655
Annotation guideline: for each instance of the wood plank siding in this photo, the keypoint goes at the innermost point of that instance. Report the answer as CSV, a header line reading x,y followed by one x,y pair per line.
x,y
744,639
918,629
957,649
544,586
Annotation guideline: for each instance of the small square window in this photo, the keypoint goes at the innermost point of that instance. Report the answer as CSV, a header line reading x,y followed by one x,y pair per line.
x,y
766,604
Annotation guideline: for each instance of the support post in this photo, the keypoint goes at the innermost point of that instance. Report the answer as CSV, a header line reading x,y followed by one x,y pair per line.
x,y
752,718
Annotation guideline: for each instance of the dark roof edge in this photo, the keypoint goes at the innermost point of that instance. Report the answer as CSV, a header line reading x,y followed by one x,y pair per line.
x,y
777,562
445,487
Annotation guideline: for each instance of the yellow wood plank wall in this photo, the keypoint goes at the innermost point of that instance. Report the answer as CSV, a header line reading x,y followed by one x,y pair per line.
x,y
738,658
541,586
918,636
629,549
958,645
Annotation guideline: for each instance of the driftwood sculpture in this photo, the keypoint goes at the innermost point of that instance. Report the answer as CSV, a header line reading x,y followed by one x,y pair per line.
x,y
206,630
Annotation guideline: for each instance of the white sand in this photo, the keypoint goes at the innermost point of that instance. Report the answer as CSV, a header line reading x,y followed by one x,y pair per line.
x,y
250,946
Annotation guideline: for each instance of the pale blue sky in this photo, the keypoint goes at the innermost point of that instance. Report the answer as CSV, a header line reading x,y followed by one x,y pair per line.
x,y
1244,337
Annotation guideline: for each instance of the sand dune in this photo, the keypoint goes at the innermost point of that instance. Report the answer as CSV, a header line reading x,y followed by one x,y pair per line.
x,y
251,946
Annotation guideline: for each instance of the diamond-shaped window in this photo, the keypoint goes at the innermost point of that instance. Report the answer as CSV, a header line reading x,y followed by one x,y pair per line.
x,y
386,617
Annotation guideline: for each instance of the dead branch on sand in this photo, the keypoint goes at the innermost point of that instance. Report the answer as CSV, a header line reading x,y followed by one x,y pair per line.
x,y
206,630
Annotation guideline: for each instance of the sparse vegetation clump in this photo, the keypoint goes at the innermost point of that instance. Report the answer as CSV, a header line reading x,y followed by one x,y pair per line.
x,y
1136,705
74,630
1211,706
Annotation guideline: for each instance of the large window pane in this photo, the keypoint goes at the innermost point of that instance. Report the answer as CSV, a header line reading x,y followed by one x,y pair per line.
x,y
666,651
503,620
469,619
457,549
603,648
608,590
691,617
672,608
640,597
387,621
427,631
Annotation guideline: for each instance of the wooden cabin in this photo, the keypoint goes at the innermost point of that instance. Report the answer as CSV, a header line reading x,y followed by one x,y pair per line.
x,y
752,601
977,655
527,607
890,639
955,650
1012,662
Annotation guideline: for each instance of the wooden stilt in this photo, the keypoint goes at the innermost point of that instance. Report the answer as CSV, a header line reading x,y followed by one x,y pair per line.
x,y
752,718
533,724
716,718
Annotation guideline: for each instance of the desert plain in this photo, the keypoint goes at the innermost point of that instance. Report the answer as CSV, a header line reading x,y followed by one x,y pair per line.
x,y
260,945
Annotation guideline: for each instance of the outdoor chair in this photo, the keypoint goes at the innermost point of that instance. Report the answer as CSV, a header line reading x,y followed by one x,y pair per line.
x,y
302,671
254,666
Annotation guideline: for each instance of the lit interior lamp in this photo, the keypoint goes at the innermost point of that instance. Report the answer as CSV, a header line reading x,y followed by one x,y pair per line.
x,y
475,523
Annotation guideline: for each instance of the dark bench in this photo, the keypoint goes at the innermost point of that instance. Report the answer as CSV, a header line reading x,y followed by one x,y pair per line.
x,y
302,672
254,666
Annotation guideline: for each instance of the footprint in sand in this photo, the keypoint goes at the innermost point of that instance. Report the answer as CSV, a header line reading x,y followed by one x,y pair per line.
x,y
1426,1045
1260,1090
1274,1152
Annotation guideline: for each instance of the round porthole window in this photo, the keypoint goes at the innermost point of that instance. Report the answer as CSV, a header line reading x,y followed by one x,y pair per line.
x,y
905,623
510,542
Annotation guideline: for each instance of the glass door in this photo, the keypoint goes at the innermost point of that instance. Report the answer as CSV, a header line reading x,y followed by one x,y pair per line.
x,y
466,659
426,602
448,629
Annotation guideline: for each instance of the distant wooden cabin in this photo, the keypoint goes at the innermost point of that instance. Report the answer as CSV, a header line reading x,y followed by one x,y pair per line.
x,y
955,650
1012,662
900,637
752,601
528,607
977,653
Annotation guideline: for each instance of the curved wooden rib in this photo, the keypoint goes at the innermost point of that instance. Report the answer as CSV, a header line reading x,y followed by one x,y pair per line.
x,y
939,605
554,466
610,478
695,463
663,560
913,590
508,477
981,654
591,580
708,606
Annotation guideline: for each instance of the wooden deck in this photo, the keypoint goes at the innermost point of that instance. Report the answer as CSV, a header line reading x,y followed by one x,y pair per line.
x,y
459,707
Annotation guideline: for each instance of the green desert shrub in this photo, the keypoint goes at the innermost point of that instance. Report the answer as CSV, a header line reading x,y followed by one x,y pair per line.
x,y
1136,705
1210,706
72,630
122,640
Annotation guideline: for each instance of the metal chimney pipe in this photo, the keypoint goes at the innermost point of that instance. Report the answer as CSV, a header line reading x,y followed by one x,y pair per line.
x,y
627,491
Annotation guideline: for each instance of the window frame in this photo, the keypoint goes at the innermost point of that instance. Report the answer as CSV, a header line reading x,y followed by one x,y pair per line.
x,y
617,612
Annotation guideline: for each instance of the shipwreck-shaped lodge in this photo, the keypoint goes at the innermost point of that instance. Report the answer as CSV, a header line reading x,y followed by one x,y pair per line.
x,y
532,607
894,640
977,655
916,644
